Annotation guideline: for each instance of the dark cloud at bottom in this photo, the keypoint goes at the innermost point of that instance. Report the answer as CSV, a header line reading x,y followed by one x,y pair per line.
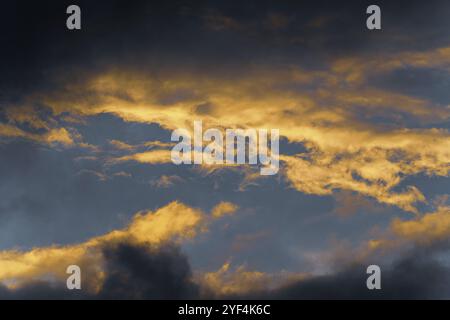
x,y
135,272
409,278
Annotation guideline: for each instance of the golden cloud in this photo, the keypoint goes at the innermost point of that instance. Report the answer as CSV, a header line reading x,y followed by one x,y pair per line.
x,y
427,228
224,208
240,281
344,151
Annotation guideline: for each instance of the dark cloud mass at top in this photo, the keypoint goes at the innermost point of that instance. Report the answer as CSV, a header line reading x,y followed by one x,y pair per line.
x,y
37,51
85,123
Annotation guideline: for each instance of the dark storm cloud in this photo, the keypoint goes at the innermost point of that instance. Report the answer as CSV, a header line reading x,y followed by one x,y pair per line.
x,y
131,272
421,274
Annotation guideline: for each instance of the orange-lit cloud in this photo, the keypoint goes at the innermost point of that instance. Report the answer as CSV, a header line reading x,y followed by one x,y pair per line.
x,y
427,228
228,281
423,230
224,208
58,136
150,157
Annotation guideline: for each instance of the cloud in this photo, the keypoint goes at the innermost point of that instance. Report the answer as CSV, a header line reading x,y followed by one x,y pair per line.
x,y
134,272
166,181
417,275
328,112
173,222
142,261
322,175
130,271
425,229
228,282
277,66
429,227
58,136
150,157
224,208
348,204
120,145
146,251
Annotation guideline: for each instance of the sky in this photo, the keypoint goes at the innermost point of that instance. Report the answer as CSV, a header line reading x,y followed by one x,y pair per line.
x,y
86,177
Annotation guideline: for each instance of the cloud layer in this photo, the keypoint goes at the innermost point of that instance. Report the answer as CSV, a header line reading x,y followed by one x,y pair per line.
x,y
85,125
